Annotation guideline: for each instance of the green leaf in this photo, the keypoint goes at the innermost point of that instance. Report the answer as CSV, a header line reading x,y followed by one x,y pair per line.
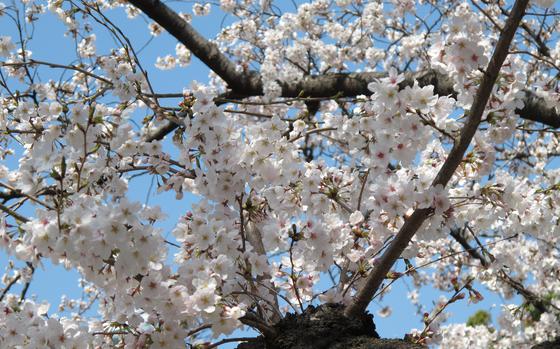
x,y
481,317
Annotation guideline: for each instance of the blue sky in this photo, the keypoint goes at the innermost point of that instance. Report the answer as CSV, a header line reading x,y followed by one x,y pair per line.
x,y
49,45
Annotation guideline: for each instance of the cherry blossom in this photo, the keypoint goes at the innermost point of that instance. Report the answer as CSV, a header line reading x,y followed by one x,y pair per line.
x,y
324,134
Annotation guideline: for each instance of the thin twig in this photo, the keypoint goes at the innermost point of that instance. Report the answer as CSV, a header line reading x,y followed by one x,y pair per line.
x,y
56,65
30,197
230,340
9,286
13,214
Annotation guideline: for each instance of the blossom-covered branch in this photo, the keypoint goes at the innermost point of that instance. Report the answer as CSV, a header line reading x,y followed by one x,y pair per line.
x,y
248,83
454,158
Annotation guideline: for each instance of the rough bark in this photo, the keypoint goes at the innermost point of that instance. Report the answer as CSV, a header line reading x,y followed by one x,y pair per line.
x,y
325,327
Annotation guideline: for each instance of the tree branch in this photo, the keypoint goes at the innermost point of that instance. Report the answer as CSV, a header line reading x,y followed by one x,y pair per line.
x,y
13,213
12,282
412,224
247,84
541,45
472,251
254,237
206,51
253,321
354,84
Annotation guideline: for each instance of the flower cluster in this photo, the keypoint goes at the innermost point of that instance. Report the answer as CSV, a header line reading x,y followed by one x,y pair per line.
x,y
297,198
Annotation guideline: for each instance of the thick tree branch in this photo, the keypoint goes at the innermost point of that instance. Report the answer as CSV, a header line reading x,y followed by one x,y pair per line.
x,y
206,51
246,84
354,84
414,222
536,109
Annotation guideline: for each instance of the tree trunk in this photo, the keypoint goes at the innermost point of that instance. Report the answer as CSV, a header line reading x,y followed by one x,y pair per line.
x,y
326,327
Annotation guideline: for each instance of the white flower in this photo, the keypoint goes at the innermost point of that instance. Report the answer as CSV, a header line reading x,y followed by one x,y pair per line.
x,y
183,55
299,125
86,47
155,29
440,202
356,218
6,46
167,62
201,10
